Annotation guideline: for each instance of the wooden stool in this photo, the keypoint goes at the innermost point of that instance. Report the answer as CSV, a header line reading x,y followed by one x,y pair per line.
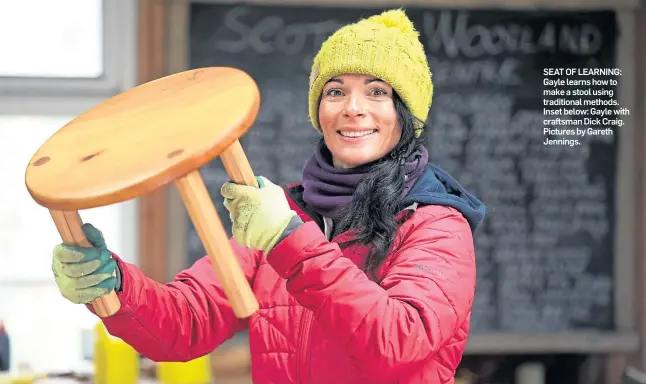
x,y
159,132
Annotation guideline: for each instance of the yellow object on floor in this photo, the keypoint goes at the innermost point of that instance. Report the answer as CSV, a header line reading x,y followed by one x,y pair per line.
x,y
196,371
115,362
17,378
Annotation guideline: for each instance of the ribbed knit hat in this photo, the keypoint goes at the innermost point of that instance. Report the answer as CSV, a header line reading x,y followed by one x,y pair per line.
x,y
386,46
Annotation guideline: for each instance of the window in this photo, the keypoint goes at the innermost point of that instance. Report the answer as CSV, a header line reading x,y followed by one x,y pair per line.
x,y
63,47
44,38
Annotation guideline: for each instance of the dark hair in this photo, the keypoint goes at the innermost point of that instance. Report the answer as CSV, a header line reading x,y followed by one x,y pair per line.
x,y
378,197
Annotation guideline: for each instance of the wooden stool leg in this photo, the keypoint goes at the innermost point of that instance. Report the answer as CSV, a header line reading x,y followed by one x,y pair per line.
x,y
216,243
69,225
237,166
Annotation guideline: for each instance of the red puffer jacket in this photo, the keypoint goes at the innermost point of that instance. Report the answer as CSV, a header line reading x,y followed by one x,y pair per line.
x,y
321,319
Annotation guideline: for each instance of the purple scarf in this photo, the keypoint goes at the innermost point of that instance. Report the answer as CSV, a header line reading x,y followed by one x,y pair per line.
x,y
328,189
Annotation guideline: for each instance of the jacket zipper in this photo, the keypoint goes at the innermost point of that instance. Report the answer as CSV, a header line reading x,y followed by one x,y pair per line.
x,y
302,358
303,352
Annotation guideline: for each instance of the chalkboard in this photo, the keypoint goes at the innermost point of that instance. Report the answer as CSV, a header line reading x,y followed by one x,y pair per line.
x,y
545,251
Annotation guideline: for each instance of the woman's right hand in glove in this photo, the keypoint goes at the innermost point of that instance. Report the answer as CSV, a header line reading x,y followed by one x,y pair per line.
x,y
85,274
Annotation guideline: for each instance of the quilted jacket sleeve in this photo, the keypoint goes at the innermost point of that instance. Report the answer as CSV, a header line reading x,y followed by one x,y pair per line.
x,y
181,320
388,328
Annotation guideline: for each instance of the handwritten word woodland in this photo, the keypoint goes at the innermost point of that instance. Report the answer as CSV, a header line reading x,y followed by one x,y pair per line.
x,y
462,50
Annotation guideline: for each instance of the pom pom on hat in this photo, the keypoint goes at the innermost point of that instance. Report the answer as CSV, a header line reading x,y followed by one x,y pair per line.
x,y
386,46
395,18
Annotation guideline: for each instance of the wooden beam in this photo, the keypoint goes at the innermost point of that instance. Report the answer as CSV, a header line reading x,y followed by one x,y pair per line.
x,y
547,343
460,4
639,360
152,207
177,61
627,235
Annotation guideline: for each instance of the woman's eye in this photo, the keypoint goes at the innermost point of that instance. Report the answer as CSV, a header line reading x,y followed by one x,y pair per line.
x,y
379,92
333,92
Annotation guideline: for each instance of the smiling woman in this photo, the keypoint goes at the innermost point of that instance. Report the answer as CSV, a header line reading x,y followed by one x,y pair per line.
x,y
364,271
370,133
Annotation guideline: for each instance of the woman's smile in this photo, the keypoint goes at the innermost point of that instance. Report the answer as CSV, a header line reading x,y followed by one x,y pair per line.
x,y
354,135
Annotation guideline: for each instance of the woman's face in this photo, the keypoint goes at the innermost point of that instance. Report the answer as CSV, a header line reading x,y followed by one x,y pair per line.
x,y
358,119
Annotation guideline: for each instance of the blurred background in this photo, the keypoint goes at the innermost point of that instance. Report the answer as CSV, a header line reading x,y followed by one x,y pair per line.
x,y
561,256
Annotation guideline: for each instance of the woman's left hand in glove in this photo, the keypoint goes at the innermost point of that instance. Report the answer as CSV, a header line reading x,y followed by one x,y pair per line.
x,y
259,215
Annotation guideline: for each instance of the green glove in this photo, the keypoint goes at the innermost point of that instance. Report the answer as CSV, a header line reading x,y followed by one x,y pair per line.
x,y
84,274
259,215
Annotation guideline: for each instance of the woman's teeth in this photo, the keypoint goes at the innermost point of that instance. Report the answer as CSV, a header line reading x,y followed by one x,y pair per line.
x,y
357,133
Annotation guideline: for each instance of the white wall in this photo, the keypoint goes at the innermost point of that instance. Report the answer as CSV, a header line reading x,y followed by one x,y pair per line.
x,y
46,330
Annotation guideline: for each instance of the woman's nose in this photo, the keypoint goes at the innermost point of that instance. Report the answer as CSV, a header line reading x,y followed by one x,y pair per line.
x,y
354,106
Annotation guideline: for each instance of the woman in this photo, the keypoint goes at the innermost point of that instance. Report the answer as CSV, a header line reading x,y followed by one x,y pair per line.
x,y
365,271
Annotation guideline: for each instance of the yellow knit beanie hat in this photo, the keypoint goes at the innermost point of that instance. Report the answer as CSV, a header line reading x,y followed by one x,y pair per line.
x,y
386,46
